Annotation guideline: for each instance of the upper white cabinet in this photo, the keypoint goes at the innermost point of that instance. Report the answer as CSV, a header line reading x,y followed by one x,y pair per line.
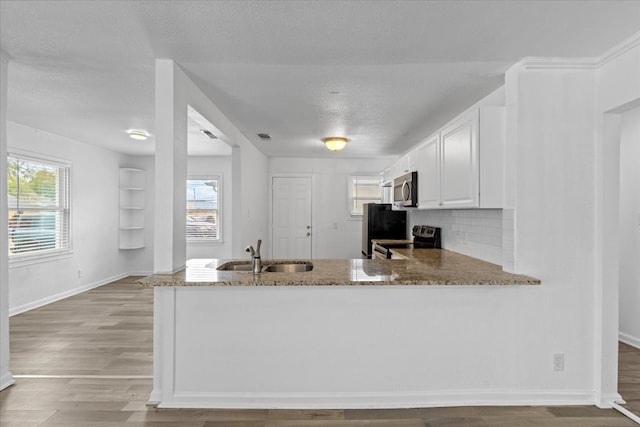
x,y
462,166
428,154
386,177
459,163
131,235
407,163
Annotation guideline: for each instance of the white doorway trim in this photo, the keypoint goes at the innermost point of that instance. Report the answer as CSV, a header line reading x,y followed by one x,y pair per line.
x,y
607,188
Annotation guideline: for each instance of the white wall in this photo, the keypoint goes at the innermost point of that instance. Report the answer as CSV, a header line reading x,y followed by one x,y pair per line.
x,y
94,223
335,233
207,166
630,228
6,379
551,118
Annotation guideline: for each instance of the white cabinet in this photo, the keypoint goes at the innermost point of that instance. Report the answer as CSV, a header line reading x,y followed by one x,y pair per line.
x,y
131,233
428,154
386,178
407,163
459,163
462,166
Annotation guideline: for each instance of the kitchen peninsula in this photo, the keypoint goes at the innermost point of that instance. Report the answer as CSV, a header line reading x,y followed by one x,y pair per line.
x,y
348,333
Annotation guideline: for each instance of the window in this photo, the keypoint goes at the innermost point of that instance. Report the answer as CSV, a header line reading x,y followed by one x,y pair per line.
x,y
203,209
38,204
363,189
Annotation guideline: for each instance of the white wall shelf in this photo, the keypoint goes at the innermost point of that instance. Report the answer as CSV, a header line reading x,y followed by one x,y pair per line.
x,y
131,233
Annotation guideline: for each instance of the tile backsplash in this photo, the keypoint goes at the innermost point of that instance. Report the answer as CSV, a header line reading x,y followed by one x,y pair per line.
x,y
473,232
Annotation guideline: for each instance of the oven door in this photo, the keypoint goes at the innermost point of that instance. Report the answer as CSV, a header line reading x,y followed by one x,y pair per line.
x,y
380,252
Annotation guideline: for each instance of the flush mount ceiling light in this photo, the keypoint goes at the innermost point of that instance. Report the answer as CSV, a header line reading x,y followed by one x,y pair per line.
x,y
335,143
140,135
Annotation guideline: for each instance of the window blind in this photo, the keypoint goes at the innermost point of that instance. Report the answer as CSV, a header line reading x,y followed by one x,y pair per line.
x,y
364,189
203,209
38,205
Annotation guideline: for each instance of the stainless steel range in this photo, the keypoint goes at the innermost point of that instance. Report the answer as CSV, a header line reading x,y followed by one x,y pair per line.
x,y
424,237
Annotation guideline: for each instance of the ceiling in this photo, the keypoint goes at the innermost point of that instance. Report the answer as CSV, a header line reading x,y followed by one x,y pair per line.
x,y
382,73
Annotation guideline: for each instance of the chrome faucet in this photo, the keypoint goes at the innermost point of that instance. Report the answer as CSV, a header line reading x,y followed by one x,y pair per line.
x,y
256,260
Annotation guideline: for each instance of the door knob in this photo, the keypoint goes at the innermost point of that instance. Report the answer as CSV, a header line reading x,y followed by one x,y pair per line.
x,y
308,227
308,234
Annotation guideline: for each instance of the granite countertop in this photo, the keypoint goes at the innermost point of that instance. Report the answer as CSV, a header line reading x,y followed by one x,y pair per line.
x,y
421,267
392,241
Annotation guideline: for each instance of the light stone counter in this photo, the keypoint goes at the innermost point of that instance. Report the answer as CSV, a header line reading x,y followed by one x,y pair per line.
x,y
421,267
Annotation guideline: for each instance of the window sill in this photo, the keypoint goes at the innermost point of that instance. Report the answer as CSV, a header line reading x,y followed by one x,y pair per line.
x,y
25,260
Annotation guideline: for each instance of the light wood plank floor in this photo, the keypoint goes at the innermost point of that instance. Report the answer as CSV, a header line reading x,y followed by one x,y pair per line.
x,y
629,377
108,332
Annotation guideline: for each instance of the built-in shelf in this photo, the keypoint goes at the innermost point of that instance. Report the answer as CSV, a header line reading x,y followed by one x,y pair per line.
x,y
132,184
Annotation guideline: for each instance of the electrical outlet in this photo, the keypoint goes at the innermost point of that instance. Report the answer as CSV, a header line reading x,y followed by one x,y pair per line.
x,y
558,362
80,273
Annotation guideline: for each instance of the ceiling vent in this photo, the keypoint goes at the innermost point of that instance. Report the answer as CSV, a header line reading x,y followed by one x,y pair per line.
x,y
265,136
209,134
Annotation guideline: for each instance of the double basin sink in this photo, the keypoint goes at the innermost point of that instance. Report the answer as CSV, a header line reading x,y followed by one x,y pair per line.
x,y
276,267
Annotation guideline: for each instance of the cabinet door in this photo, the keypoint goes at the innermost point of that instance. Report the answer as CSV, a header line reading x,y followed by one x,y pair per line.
x,y
412,161
459,173
428,162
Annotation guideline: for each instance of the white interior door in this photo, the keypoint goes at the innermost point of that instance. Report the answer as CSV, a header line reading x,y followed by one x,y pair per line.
x,y
291,218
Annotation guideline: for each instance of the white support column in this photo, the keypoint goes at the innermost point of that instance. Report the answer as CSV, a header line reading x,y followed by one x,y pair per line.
x,y
6,379
171,170
236,202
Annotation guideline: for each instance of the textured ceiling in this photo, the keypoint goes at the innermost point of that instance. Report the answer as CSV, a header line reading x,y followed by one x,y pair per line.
x,y
382,73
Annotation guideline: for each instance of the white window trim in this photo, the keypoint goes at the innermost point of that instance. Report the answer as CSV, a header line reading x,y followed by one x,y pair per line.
x,y
356,216
54,254
220,240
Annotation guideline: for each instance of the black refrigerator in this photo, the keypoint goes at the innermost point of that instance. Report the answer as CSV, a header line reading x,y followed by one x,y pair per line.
x,y
380,222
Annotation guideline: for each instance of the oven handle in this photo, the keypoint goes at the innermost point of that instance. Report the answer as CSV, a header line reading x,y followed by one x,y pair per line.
x,y
379,251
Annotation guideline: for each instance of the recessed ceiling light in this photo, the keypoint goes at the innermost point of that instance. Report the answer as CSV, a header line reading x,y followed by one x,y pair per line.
x,y
138,134
264,136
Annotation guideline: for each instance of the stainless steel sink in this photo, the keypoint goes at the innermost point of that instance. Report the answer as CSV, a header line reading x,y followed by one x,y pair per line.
x,y
289,268
235,266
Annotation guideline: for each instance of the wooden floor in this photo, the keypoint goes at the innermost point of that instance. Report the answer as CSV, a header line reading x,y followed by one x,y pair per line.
x,y
86,361
629,377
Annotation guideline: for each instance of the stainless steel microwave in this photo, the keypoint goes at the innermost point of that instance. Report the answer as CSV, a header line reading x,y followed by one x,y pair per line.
x,y
405,190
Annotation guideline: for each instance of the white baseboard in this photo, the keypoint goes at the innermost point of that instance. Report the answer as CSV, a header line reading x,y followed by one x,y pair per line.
x,y
140,273
62,295
606,401
375,400
6,380
629,339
